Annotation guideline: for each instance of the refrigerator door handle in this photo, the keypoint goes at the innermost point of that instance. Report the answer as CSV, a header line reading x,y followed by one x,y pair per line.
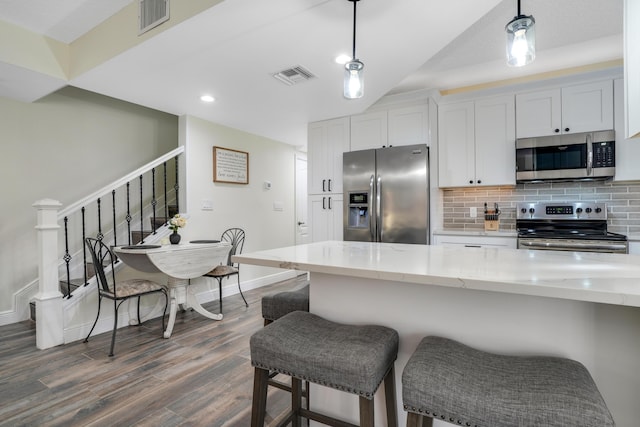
x,y
378,210
372,228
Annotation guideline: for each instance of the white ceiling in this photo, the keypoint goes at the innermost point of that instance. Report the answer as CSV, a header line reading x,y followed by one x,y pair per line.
x,y
232,49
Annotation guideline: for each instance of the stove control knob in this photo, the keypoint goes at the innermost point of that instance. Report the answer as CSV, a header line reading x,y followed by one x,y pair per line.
x,y
579,210
523,210
531,210
598,210
588,210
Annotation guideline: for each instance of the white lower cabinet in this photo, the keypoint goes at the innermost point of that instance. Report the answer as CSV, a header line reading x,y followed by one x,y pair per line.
x,y
471,241
325,217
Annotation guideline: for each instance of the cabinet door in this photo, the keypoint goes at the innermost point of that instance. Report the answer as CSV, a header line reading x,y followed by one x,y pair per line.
x,y
338,143
475,241
408,125
632,69
369,131
317,157
326,142
456,145
587,107
627,150
495,141
325,217
335,207
538,113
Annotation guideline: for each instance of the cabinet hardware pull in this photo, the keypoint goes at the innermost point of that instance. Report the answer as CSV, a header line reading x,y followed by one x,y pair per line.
x,y
329,188
566,129
323,181
556,130
329,202
323,201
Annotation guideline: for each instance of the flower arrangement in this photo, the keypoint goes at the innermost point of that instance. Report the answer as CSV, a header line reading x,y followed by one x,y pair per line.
x,y
177,222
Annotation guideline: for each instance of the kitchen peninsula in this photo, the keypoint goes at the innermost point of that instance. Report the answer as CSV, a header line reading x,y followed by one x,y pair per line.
x,y
584,306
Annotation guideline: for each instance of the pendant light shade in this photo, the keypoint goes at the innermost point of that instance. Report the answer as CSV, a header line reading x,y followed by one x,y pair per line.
x,y
353,79
353,70
521,40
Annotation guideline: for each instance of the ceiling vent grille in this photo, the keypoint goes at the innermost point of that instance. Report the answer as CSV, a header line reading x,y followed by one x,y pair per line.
x,y
152,13
294,75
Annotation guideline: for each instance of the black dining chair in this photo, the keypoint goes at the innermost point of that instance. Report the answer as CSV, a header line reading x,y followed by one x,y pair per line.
x,y
102,257
234,236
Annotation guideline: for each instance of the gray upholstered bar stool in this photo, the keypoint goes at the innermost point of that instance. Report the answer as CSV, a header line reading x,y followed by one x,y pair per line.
x,y
274,307
277,305
449,381
351,358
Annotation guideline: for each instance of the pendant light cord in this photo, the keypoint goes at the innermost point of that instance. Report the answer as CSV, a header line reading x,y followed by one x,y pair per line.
x,y
519,8
354,29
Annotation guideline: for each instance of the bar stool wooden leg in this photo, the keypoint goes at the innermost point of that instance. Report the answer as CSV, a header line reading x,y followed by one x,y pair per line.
x,y
259,407
366,412
296,401
390,397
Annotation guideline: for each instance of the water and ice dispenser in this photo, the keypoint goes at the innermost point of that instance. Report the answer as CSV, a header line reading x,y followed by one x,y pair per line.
x,y
359,214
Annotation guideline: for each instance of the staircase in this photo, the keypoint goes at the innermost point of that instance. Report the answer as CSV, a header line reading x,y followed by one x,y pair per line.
x,y
130,210
68,286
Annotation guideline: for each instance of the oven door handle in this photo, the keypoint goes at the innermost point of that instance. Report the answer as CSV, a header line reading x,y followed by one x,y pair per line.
x,y
575,246
589,154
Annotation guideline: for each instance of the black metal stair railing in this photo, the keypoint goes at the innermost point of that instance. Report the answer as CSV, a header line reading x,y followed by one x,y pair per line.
x,y
86,218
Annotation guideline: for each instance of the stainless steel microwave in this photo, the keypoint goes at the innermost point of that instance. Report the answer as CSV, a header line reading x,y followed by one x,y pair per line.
x,y
568,157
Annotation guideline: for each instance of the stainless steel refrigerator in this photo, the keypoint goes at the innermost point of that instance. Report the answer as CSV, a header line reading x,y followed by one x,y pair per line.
x,y
387,195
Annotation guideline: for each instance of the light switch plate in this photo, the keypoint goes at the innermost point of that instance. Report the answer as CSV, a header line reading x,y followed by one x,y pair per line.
x,y
473,212
207,205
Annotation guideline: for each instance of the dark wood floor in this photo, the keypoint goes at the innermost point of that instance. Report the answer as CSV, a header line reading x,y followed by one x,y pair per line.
x,y
201,376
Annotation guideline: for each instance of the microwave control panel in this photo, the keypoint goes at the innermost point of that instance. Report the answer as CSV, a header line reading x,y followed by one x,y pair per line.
x,y
604,155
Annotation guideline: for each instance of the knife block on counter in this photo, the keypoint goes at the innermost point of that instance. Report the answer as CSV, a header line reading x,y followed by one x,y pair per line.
x,y
491,221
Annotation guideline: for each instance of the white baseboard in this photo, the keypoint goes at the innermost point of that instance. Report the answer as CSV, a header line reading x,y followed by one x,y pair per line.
x,y
20,305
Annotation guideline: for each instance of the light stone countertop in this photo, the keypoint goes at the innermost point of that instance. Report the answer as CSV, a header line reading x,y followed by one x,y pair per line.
x,y
581,276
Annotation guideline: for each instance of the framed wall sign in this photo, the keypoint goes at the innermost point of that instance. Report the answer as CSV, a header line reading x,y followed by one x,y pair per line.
x,y
230,166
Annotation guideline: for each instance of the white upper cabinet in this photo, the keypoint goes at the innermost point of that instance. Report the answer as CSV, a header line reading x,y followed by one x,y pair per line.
x,y
632,68
393,127
627,150
369,131
496,141
327,140
456,145
476,143
408,125
572,109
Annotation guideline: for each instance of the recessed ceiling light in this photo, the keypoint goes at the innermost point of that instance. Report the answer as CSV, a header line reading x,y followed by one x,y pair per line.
x,y
343,59
207,98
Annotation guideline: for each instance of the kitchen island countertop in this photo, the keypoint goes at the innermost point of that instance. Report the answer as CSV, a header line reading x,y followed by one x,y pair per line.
x,y
510,301
579,276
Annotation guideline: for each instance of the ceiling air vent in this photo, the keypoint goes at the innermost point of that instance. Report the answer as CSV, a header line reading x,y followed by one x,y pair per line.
x,y
294,75
152,13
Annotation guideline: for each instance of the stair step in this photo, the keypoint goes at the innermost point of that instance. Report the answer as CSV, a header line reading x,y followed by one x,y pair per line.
x,y
75,284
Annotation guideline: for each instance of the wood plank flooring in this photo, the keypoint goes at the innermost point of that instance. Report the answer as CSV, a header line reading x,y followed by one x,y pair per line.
x,y
201,376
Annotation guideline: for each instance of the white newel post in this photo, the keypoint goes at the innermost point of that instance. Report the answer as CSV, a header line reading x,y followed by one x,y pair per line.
x,y
49,313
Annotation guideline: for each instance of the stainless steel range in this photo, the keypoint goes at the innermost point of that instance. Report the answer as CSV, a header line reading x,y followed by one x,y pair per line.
x,y
567,226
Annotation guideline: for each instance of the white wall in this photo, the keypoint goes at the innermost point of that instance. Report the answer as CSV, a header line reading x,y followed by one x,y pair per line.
x,y
64,147
250,206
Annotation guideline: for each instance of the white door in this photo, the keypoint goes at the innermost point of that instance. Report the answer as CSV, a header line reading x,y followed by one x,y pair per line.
x,y
302,223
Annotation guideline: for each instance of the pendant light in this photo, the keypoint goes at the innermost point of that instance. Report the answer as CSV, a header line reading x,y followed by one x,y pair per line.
x,y
353,70
521,40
